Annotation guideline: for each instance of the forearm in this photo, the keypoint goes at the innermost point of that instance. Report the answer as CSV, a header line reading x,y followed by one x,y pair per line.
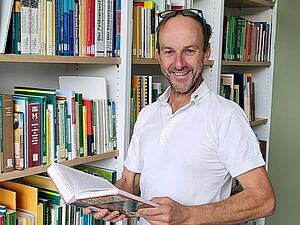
x,y
244,206
129,184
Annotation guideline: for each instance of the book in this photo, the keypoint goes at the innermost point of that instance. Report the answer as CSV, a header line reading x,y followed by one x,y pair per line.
x,y
5,15
7,132
93,192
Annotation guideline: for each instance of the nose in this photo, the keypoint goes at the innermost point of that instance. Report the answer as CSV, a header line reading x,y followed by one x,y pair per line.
x,y
179,61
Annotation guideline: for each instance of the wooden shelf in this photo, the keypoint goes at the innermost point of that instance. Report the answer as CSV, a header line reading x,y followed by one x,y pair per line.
x,y
249,63
248,3
58,59
40,169
258,121
136,61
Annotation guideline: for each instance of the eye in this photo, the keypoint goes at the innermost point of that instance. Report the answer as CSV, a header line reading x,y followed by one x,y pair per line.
x,y
168,52
190,51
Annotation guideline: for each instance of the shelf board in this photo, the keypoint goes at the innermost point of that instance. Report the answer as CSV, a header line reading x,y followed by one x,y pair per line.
x,y
258,121
14,58
40,169
249,63
140,61
248,3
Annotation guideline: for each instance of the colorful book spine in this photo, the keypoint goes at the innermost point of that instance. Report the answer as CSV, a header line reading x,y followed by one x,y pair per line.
x,y
34,134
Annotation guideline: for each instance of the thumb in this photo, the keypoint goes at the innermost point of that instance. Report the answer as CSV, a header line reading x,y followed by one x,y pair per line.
x,y
161,200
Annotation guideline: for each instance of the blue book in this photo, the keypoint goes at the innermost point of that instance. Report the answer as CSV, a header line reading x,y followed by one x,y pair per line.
x,y
66,28
71,27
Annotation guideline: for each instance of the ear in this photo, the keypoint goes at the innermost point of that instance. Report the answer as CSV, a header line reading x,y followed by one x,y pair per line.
x,y
207,54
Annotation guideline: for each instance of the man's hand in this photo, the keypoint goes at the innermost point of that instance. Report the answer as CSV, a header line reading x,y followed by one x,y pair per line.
x,y
169,212
104,214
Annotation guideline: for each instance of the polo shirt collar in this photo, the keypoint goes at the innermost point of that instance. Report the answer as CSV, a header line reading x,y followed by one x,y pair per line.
x,y
196,96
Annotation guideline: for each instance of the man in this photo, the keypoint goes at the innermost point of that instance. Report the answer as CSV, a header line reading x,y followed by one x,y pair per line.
x,y
187,146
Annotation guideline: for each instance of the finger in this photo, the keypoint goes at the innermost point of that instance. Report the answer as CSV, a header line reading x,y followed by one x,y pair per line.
x,y
119,218
149,212
161,200
100,214
86,211
111,216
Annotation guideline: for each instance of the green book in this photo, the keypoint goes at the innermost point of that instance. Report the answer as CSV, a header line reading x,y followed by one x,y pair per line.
x,y
50,94
108,174
79,119
11,217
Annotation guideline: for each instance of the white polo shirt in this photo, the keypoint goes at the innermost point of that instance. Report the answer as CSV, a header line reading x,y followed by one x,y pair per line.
x,y
192,155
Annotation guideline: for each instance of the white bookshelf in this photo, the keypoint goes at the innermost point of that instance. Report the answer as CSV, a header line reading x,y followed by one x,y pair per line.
x,y
214,11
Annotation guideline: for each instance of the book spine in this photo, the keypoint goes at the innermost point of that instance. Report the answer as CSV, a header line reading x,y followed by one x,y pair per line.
x,y
71,27
25,27
84,129
18,26
34,27
99,28
18,140
7,126
89,118
34,134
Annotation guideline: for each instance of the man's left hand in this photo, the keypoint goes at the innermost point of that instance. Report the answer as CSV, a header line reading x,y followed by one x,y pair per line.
x,y
168,212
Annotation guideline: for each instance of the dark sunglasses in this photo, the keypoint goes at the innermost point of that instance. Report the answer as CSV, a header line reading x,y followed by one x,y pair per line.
x,y
194,13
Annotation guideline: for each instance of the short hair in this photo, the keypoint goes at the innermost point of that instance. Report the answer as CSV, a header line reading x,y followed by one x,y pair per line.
x,y
206,36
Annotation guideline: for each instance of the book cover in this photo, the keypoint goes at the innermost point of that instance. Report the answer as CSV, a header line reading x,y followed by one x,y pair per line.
x,y
7,127
93,192
8,198
19,140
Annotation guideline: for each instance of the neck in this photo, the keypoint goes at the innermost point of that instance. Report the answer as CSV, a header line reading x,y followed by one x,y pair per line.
x,y
177,100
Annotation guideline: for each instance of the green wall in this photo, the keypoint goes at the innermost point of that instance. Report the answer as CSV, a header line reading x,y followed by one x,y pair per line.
x,y
284,163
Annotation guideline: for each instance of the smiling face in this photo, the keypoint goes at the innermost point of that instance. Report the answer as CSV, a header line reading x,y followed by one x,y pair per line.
x,y
181,53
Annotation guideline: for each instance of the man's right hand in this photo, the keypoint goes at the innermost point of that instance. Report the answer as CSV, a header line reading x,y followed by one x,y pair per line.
x,y
106,215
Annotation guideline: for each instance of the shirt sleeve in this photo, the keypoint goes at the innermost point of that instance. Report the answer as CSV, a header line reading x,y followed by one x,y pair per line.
x,y
132,160
238,146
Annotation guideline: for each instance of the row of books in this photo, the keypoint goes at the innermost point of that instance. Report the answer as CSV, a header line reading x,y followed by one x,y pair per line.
x,y
246,39
44,125
145,21
65,27
144,91
240,88
35,200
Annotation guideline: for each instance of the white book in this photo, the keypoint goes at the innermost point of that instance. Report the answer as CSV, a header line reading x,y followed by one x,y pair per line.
x,y
90,87
93,192
5,15
99,27
25,27
35,27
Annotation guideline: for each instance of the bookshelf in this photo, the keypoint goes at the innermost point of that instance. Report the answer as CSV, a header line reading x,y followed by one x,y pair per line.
x,y
43,71
41,169
13,58
214,12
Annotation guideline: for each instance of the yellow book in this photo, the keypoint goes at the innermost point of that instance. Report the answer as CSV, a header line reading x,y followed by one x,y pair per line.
x,y
84,116
84,28
39,182
151,5
8,198
40,214
134,35
27,196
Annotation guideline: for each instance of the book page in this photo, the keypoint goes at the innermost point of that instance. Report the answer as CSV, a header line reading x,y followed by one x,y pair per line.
x,y
70,181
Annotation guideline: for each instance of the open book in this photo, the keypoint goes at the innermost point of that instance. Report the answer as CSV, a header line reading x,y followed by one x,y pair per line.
x,y
89,191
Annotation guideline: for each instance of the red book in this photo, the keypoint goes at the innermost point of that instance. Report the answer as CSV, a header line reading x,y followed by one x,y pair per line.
x,y
34,134
89,117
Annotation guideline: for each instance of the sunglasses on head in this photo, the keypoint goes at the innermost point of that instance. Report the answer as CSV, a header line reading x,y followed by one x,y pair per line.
x,y
194,13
